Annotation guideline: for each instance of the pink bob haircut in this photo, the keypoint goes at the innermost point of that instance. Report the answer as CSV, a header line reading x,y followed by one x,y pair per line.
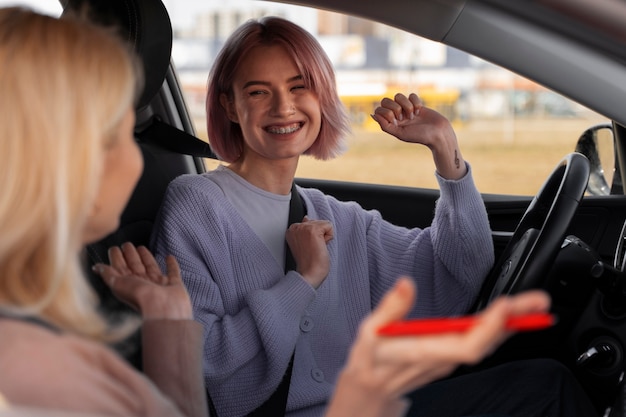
x,y
225,136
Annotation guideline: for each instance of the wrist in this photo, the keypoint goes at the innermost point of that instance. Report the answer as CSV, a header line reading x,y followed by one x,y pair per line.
x,y
450,165
452,173
155,310
350,398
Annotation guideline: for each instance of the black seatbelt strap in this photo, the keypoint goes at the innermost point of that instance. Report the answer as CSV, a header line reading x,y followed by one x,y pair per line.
x,y
276,405
297,211
32,320
173,139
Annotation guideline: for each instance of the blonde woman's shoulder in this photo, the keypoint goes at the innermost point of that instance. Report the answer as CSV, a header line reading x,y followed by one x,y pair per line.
x,y
45,369
6,410
39,412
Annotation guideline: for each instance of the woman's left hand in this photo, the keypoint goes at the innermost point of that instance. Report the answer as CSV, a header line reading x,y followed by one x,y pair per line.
x,y
135,278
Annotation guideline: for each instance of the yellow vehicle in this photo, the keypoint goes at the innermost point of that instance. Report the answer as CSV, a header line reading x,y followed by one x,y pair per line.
x,y
361,106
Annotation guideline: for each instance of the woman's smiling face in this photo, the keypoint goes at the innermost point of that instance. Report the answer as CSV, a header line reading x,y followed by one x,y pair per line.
x,y
279,116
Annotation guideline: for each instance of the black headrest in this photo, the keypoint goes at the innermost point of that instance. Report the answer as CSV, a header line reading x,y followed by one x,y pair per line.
x,y
146,26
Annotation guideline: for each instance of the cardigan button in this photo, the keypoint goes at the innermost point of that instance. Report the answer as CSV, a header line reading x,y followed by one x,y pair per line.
x,y
317,375
306,324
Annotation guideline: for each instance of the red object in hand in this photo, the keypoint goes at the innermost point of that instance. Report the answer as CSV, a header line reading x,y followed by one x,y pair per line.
x,y
526,322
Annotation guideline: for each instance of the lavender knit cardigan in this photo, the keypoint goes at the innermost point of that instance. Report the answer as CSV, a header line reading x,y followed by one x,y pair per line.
x,y
254,314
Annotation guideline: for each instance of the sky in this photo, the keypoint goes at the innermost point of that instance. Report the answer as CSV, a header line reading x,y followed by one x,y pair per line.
x,y
51,6
181,11
45,6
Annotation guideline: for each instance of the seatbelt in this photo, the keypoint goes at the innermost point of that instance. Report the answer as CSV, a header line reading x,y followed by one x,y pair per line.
x,y
32,320
297,211
276,405
173,139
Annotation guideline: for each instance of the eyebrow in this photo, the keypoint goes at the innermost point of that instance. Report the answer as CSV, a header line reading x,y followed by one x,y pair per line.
x,y
249,83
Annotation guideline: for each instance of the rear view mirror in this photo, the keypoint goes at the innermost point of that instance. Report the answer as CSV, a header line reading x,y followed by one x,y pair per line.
x,y
598,144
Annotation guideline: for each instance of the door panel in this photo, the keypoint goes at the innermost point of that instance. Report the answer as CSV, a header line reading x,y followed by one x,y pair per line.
x,y
598,222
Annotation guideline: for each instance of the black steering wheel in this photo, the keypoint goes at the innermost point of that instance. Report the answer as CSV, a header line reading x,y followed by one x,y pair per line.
x,y
528,256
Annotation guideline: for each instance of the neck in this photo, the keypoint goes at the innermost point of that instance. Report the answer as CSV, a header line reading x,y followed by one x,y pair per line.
x,y
273,176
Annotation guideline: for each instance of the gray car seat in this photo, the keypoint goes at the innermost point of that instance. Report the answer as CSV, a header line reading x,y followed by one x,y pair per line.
x,y
167,151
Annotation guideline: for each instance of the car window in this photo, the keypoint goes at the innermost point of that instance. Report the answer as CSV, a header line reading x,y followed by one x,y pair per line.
x,y
506,125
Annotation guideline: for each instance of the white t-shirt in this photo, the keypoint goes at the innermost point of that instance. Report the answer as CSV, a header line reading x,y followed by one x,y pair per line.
x,y
266,213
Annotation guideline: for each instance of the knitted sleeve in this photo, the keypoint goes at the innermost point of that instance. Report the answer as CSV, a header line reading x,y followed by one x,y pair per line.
x,y
172,352
448,260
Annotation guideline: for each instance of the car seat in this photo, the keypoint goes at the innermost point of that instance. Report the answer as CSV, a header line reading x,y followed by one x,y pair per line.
x,y
168,151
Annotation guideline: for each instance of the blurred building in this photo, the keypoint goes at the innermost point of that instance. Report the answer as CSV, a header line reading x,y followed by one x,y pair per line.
x,y
372,60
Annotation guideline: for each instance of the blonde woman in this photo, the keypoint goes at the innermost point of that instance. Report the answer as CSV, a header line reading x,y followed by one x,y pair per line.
x,y
68,164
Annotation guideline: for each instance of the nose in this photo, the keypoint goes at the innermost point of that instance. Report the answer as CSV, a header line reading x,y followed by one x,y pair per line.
x,y
282,104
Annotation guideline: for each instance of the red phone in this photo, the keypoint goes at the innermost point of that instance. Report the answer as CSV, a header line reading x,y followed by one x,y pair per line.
x,y
525,322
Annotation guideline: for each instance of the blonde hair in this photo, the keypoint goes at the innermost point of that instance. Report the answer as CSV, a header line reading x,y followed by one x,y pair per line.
x,y
66,85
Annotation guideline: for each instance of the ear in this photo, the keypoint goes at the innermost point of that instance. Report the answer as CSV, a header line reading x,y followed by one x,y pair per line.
x,y
229,106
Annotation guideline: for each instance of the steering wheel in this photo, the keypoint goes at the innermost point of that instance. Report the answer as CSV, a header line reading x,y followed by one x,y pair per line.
x,y
532,249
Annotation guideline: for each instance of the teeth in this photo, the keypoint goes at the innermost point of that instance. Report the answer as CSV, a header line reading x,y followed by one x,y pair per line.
x,y
283,130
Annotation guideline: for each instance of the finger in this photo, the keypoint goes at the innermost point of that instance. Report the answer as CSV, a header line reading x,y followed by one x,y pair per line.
x,y
133,260
454,347
489,332
305,219
395,305
385,125
530,302
424,350
173,269
391,104
406,107
384,117
329,233
117,260
150,264
410,376
417,103
491,328
327,230
447,348
385,114
106,272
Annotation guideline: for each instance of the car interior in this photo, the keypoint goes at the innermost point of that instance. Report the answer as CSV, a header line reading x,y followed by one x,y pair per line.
x,y
562,240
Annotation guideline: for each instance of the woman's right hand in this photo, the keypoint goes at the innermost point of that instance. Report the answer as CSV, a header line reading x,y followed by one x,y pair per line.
x,y
307,242
409,120
135,278
380,370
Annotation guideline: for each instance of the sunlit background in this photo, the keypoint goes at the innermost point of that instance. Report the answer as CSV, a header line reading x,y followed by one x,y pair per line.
x,y
507,126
